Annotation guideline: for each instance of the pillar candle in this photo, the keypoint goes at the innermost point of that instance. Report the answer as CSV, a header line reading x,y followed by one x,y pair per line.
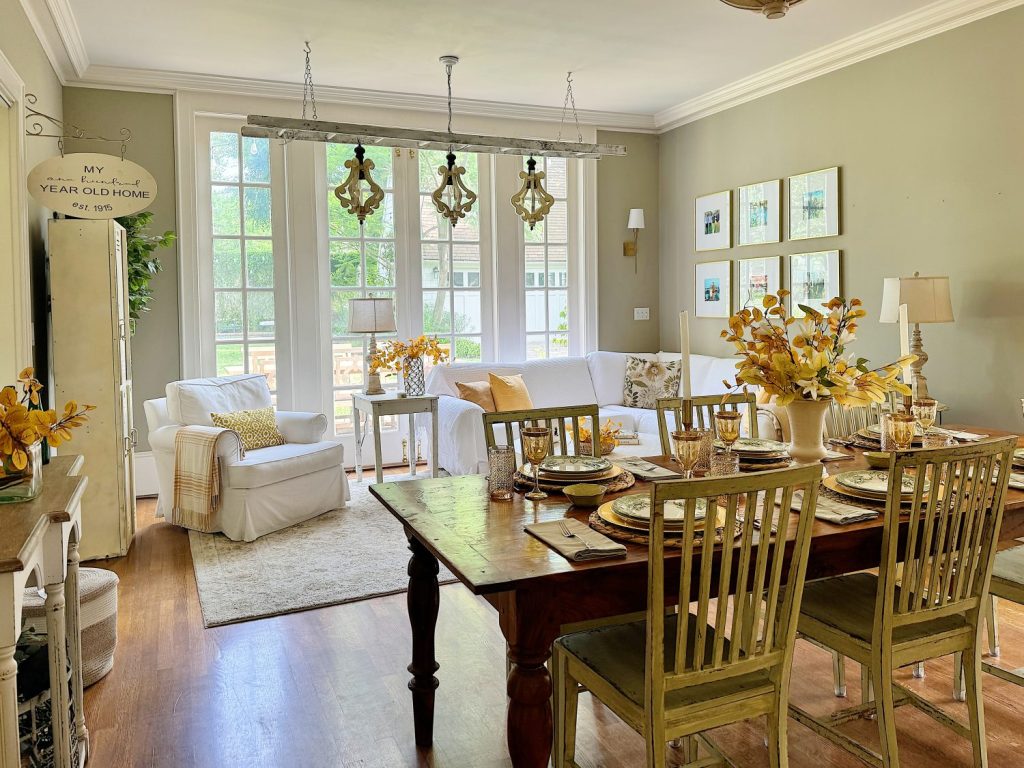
x,y
905,342
684,349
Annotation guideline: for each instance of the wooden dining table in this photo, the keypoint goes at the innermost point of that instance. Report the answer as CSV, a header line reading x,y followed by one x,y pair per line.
x,y
537,592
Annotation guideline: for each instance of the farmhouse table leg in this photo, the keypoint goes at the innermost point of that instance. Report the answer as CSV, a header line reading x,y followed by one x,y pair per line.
x,y
423,601
73,613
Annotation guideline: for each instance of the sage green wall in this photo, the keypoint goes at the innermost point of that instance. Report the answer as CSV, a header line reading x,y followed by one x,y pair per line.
x,y
624,183
150,117
930,144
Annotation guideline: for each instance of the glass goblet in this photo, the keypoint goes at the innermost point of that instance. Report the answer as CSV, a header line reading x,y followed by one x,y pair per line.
x,y
686,448
924,412
901,430
727,424
535,449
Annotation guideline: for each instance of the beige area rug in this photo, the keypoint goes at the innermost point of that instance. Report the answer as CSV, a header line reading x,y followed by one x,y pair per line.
x,y
342,556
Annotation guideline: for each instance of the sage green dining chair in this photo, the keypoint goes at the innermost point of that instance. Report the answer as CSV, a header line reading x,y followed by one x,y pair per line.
x,y
728,657
562,422
928,597
701,412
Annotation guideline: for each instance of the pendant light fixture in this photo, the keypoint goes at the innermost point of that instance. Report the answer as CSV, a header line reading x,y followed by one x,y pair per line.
x,y
453,199
771,9
532,202
359,194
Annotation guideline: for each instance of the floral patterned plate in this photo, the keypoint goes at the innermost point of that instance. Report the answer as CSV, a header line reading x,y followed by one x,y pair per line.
x,y
875,481
637,506
574,465
754,445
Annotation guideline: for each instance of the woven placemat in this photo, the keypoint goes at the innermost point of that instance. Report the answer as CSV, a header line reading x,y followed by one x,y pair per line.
x,y
876,506
635,537
613,485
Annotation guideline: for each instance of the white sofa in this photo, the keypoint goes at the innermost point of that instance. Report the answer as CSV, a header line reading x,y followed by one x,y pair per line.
x,y
596,378
268,489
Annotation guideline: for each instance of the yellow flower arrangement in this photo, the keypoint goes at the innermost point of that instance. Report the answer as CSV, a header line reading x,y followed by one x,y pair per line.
x,y
608,435
22,426
805,358
393,356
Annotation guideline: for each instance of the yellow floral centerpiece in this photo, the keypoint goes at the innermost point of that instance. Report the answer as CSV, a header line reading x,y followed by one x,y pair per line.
x,y
23,427
804,360
406,358
608,435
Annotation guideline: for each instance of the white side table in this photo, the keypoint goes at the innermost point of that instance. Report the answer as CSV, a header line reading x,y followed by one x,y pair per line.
x,y
390,404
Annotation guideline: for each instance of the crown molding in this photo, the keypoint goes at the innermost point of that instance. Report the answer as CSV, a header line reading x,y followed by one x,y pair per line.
x,y
170,82
56,28
903,30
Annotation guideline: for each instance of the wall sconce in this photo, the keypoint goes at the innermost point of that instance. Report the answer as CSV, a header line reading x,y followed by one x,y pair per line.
x,y
636,223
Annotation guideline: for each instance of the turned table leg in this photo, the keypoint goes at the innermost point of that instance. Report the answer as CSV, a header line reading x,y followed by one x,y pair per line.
x,y
73,612
56,642
423,601
9,749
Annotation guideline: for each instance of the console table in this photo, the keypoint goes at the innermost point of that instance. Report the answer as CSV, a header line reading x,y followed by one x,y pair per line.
x,y
40,546
391,404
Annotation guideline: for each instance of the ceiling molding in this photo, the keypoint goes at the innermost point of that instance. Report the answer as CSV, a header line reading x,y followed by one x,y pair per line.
x,y
153,80
903,30
67,27
57,31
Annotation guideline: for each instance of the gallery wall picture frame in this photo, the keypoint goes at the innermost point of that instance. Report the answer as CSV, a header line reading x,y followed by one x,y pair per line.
x,y
756,278
760,213
814,279
814,204
713,224
713,289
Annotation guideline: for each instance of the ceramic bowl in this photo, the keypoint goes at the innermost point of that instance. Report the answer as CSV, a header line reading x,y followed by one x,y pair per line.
x,y
877,459
585,494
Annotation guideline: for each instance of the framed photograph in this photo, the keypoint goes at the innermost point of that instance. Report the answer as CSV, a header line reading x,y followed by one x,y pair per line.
x,y
714,289
714,221
757,278
759,209
814,204
813,279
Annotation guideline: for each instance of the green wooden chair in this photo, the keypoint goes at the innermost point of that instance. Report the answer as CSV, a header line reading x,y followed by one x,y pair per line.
x,y
561,421
675,676
701,411
932,606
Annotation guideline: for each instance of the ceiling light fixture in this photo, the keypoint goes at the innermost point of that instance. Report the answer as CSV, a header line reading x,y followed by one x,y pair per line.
x,y
532,202
453,199
772,9
359,194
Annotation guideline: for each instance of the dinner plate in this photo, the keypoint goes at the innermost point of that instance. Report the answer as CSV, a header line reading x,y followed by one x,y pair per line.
x,y
574,465
613,472
637,506
874,433
876,481
765,458
764,466
754,445
608,515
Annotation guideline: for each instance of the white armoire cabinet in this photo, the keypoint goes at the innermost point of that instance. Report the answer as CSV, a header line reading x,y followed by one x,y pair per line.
x,y
91,363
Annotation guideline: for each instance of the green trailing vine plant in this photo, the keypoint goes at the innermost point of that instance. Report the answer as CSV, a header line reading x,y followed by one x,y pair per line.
x,y
143,263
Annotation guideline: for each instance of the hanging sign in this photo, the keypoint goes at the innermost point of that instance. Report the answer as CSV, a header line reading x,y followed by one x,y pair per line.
x,y
88,185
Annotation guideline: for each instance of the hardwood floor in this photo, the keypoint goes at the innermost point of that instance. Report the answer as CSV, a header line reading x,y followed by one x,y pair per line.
x,y
327,688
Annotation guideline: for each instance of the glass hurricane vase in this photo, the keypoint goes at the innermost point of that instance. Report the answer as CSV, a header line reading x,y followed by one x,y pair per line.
x,y
413,379
25,484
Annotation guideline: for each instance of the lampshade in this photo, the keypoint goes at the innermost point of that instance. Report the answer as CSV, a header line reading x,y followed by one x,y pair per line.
x,y
371,315
636,218
927,299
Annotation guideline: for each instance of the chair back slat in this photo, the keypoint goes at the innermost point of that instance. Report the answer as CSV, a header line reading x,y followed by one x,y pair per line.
x,y
558,420
700,411
841,421
729,581
952,530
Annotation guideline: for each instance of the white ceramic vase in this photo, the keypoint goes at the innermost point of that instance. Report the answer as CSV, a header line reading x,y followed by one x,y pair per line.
x,y
807,430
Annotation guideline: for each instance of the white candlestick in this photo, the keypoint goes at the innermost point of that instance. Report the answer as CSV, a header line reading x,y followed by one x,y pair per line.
x,y
905,342
684,349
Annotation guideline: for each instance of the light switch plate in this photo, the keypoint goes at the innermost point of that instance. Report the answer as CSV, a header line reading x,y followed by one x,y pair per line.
x,y
641,313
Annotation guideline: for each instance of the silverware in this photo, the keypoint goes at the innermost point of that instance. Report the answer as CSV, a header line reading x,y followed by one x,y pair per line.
x,y
564,527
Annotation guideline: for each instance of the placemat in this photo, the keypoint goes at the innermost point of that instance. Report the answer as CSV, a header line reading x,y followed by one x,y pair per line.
x,y
634,537
621,482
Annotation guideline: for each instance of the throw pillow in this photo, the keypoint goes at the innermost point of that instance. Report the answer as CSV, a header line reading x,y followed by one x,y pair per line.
x,y
648,380
510,393
478,392
258,428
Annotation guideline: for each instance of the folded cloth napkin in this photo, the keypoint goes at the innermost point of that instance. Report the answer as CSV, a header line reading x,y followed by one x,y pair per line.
x,y
645,470
584,544
836,512
1017,480
968,437
836,456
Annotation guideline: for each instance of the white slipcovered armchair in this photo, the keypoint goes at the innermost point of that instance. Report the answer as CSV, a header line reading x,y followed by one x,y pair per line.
x,y
270,488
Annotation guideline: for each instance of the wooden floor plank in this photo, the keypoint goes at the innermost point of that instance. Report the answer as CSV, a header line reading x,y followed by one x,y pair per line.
x,y
327,688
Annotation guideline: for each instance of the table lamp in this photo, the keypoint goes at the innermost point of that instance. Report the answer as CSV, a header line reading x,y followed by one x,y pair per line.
x,y
927,300
371,316
635,223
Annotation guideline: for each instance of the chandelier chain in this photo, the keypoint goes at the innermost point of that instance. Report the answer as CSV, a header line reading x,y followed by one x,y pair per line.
x,y
308,95
448,67
570,99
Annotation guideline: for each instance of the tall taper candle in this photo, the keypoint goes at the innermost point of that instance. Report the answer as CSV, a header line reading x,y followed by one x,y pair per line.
x,y
905,342
684,349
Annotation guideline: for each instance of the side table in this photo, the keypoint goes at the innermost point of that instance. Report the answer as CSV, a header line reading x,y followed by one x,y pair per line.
x,y
389,404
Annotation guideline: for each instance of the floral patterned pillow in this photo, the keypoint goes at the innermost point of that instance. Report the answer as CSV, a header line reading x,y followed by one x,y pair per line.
x,y
648,380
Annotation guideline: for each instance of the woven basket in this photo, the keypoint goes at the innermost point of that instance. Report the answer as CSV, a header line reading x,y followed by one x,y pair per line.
x,y
97,595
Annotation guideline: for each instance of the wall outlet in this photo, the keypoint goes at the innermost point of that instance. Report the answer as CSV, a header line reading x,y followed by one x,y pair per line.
x,y
641,313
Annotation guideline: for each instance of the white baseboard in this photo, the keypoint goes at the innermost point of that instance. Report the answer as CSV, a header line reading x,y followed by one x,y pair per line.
x,y
146,483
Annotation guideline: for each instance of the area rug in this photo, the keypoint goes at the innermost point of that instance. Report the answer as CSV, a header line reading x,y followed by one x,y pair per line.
x,y
346,555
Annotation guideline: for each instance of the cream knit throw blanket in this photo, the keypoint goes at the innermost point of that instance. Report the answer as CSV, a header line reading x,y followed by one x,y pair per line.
x,y
197,495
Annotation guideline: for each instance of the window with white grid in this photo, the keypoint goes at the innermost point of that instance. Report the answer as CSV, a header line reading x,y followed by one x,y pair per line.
x,y
546,260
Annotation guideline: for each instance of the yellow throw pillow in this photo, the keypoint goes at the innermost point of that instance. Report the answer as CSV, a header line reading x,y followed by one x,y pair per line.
x,y
257,428
478,392
510,393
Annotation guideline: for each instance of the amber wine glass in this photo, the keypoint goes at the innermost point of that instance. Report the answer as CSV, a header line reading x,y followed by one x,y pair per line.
x,y
901,430
727,424
924,411
535,449
686,447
